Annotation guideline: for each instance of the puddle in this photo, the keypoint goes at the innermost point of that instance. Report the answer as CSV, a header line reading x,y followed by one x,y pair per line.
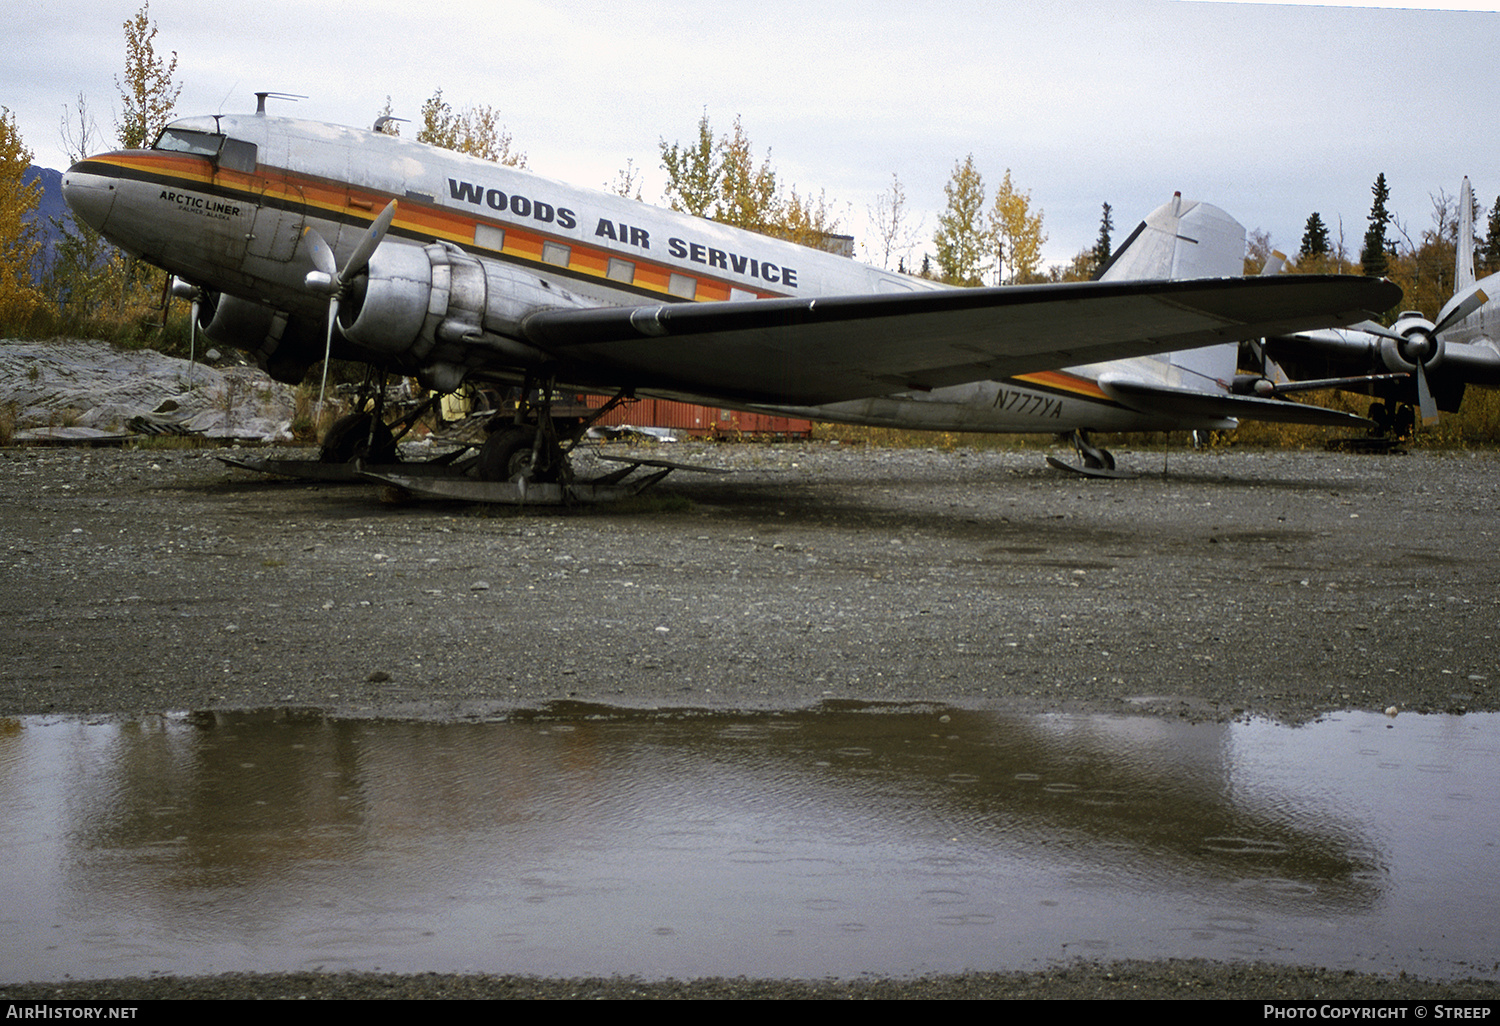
x,y
803,845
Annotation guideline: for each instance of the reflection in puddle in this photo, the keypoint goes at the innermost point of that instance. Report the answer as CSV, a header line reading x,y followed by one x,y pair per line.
x,y
834,842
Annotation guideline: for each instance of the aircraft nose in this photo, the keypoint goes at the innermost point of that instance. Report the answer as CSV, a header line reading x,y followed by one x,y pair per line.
x,y
90,196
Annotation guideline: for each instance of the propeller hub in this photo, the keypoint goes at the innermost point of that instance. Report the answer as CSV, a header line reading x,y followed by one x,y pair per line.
x,y
1419,346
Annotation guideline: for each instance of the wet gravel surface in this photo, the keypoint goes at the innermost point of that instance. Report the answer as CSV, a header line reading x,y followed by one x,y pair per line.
x,y
1237,583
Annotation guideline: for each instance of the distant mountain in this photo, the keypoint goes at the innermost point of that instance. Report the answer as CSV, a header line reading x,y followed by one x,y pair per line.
x,y
50,210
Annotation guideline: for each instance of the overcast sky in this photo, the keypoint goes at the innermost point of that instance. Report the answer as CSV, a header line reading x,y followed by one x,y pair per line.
x,y
1270,111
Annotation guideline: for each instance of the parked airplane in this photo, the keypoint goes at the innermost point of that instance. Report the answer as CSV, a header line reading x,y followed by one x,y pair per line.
x,y
300,239
1416,362
1186,390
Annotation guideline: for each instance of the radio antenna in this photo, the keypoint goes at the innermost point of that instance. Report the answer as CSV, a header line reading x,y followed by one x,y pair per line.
x,y
260,99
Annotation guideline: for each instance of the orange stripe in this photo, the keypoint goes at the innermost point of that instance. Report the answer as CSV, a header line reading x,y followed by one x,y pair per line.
x,y
420,218
1066,382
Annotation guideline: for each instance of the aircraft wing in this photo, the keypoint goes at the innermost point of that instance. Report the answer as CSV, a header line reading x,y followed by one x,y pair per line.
x,y
815,351
1190,403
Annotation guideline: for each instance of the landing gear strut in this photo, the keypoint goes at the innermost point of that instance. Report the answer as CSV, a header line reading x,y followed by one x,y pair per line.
x,y
533,443
1398,420
1095,461
366,436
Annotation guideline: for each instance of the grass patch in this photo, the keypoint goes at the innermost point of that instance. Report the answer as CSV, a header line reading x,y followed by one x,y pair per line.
x,y
159,443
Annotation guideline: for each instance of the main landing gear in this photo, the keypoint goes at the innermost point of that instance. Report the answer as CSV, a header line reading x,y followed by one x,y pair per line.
x,y
525,459
1395,424
533,443
1399,420
365,436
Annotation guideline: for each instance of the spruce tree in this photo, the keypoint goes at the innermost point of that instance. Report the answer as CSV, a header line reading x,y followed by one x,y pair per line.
x,y
1373,255
1315,237
1101,248
1489,254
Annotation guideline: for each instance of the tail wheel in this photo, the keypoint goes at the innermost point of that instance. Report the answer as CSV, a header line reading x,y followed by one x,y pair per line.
x,y
349,439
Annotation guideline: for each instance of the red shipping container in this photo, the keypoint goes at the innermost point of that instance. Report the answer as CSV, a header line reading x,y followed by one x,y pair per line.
x,y
701,421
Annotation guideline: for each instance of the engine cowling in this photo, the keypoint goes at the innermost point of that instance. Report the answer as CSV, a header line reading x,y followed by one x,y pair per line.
x,y
1419,344
284,347
438,311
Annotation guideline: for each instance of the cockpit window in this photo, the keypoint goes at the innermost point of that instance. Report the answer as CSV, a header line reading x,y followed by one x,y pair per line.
x,y
182,140
234,154
238,155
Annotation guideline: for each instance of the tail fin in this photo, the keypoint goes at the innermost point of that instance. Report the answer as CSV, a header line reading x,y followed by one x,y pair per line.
x,y
1180,239
1463,267
1186,239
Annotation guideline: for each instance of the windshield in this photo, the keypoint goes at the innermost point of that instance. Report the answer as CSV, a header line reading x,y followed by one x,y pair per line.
x,y
182,140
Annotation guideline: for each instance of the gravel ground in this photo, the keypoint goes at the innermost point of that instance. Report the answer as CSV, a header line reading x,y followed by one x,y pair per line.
x,y
1275,584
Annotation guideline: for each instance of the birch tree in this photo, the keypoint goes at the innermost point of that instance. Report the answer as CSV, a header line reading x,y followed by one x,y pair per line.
x,y
963,236
1017,235
476,131
148,96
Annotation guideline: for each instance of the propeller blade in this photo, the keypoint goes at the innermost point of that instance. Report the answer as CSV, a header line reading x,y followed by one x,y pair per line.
x,y
1461,305
367,244
193,336
1371,328
321,253
333,316
1425,404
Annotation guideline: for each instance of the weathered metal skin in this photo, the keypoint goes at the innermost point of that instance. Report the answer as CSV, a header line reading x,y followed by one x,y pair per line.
x,y
481,269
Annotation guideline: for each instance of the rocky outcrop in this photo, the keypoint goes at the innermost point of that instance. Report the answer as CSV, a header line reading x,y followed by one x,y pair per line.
x,y
91,388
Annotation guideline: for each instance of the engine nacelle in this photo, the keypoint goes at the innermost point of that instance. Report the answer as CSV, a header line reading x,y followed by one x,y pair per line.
x,y
438,311
1253,384
1418,345
283,347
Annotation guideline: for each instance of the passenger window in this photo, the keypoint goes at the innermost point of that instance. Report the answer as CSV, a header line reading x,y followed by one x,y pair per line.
x,y
682,286
487,236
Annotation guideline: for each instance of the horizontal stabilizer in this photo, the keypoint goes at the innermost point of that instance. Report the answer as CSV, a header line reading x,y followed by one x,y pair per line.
x,y
1189,403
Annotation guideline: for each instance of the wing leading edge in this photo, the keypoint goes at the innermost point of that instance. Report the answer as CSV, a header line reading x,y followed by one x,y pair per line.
x,y
810,352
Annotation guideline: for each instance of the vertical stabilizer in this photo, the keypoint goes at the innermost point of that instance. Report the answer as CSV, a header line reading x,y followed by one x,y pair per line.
x,y
1181,239
1463,269
1186,239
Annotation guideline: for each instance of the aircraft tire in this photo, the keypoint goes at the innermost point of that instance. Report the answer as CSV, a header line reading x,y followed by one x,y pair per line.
x,y
506,453
347,440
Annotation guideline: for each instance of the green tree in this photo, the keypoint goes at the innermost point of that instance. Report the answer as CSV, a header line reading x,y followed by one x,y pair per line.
x,y
1373,255
1102,250
1314,237
749,196
805,221
693,172
19,242
962,237
476,131
148,96
719,179
1016,234
1490,253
